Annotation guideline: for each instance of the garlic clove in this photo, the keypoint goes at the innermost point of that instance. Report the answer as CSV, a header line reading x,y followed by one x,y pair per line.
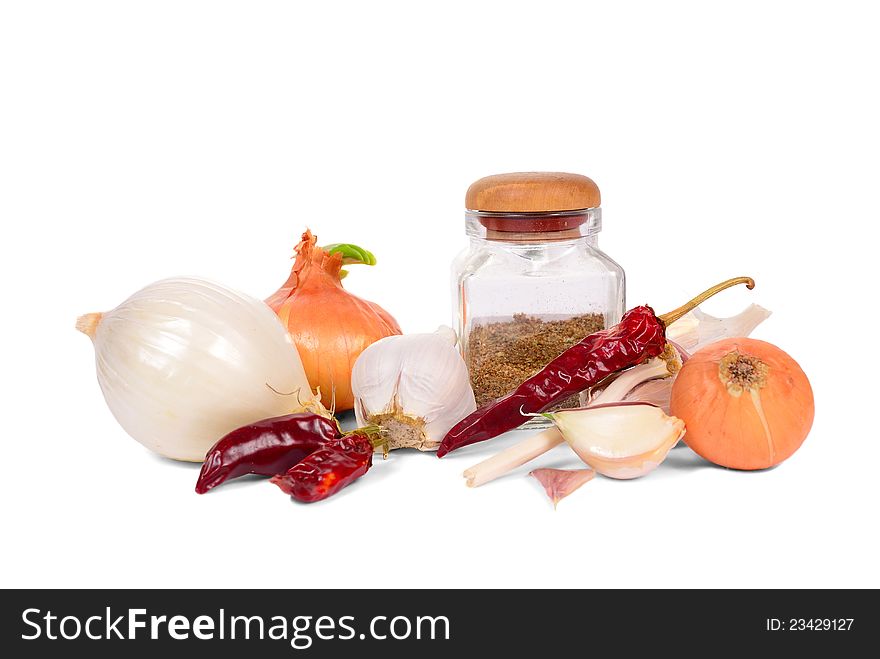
x,y
620,440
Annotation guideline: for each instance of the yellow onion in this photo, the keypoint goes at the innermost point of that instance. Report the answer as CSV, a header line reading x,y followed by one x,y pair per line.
x,y
330,326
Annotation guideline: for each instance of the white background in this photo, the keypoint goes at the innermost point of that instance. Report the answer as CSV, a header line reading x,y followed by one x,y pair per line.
x,y
144,140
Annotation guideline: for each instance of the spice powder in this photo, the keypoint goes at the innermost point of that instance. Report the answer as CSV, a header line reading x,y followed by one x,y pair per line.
x,y
502,355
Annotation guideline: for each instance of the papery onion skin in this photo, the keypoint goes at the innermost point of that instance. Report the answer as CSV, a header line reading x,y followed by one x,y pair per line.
x,y
749,428
697,328
185,361
329,325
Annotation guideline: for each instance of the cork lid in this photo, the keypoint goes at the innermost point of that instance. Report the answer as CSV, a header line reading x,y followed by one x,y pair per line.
x,y
532,192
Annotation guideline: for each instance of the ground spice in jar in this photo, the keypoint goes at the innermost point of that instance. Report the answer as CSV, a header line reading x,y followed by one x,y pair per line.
x,y
502,355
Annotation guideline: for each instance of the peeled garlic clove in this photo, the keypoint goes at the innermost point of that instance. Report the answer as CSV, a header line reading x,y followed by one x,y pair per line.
x,y
559,483
415,386
620,440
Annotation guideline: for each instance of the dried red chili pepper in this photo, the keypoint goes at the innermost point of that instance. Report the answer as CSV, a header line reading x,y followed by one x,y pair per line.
x,y
267,447
330,468
640,335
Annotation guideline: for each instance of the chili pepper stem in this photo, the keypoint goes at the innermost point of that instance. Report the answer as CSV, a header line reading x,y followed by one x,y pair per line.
x,y
376,435
668,318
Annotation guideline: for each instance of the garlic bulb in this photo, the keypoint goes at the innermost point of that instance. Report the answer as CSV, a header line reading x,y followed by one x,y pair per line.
x,y
416,386
185,361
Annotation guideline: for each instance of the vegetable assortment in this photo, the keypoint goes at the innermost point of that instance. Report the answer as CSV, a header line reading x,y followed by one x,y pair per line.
x,y
640,335
661,367
649,382
198,372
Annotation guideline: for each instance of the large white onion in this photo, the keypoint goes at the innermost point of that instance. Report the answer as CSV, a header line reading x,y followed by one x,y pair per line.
x,y
184,361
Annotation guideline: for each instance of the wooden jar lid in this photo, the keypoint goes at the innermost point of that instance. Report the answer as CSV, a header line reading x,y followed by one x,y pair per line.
x,y
532,192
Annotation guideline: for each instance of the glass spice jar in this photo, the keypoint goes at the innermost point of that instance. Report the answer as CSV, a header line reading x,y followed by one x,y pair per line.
x,y
533,281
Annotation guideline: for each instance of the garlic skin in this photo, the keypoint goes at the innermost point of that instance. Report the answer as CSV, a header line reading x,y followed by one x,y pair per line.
x,y
620,440
559,483
185,361
416,386
696,328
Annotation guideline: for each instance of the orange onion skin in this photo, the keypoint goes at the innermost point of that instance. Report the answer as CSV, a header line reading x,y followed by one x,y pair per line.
x,y
329,325
751,427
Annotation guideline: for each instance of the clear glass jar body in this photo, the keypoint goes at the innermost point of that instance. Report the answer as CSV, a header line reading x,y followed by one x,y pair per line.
x,y
522,297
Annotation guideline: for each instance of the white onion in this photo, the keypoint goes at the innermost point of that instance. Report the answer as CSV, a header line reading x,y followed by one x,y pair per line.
x,y
184,361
